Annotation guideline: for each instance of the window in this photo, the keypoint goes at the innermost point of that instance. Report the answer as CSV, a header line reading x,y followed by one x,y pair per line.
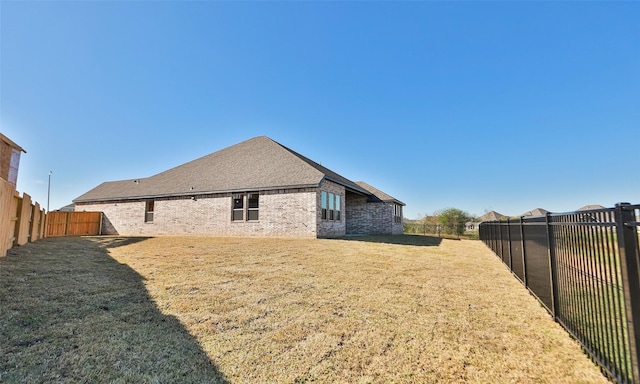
x,y
14,162
323,204
252,210
331,209
242,202
148,211
397,213
238,207
330,205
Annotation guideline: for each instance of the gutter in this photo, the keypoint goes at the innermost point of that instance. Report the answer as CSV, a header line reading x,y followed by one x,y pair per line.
x,y
190,193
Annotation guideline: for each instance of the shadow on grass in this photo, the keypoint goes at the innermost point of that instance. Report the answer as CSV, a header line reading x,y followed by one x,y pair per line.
x,y
71,313
118,241
416,240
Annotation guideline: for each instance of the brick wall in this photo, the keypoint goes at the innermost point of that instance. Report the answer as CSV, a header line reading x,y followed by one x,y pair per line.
x,y
281,213
293,212
365,217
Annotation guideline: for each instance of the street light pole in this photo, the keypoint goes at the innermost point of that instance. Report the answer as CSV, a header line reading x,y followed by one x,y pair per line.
x,y
49,190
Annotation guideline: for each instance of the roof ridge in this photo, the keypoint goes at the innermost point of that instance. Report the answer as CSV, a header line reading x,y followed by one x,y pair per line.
x,y
328,173
258,163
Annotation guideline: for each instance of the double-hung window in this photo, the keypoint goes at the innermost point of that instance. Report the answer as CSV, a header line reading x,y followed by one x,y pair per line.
x,y
148,211
252,206
237,213
245,206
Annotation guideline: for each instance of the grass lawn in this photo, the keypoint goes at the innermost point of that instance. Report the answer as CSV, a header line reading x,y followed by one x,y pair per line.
x,y
404,309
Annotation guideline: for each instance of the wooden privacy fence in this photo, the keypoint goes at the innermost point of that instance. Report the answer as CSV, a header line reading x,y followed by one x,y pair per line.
x,y
74,224
21,221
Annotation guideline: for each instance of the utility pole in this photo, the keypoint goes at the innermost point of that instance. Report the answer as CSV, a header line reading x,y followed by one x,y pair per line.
x,y
49,190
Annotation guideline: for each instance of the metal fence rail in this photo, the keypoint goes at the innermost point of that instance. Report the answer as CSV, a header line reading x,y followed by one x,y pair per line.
x,y
584,267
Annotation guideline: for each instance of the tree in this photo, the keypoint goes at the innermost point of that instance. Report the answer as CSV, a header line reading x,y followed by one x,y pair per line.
x,y
453,220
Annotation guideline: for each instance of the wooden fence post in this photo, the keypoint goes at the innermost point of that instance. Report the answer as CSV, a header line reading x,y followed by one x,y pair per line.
x,y
35,222
7,225
24,218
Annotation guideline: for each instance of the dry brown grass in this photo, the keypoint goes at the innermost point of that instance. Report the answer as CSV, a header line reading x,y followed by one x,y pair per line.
x,y
276,311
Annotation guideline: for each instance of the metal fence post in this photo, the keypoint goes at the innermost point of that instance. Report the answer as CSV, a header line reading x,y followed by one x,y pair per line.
x,y
627,233
500,239
552,267
524,253
509,242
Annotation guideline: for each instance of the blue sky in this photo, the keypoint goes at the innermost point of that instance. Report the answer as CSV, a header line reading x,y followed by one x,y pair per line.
x,y
496,105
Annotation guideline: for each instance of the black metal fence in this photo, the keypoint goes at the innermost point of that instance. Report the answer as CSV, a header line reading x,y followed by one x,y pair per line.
x,y
584,267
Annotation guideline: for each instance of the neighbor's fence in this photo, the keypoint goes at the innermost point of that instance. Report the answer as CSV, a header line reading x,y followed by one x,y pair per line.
x,y
21,221
74,224
584,267
454,229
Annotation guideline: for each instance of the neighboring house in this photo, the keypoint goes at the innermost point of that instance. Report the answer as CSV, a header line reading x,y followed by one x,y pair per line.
x,y
492,216
255,188
67,208
536,212
474,226
591,207
9,159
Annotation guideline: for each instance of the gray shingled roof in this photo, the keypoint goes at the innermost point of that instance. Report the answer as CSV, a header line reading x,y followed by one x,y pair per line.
x,y
378,194
591,207
536,212
492,216
255,164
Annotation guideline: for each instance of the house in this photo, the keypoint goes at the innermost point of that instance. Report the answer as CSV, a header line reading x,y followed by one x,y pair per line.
x,y
536,212
591,207
255,188
474,226
67,208
9,160
492,216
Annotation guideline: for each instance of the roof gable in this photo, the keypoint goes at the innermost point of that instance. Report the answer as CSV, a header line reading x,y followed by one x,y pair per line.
x,y
255,164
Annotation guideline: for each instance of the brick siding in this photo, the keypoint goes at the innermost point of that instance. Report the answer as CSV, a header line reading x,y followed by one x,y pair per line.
x,y
282,213
290,213
364,217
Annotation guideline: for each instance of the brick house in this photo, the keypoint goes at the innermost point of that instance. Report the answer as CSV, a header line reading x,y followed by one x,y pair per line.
x,y
255,188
